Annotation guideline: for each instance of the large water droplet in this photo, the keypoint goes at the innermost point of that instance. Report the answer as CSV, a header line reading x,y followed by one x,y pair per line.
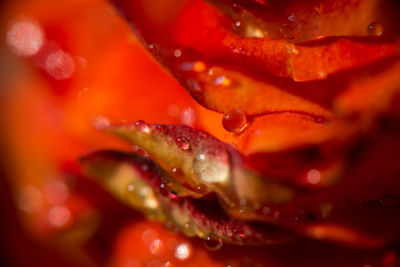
x,y
212,242
375,29
291,28
142,126
234,121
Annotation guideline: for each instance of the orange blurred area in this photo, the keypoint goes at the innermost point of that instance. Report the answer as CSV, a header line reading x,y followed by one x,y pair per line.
x,y
69,69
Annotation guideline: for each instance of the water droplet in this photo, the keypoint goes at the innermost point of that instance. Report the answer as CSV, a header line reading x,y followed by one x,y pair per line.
x,y
164,190
234,121
59,64
154,48
183,251
100,122
140,151
131,188
25,37
182,143
291,48
177,53
375,29
142,126
291,28
59,215
197,66
243,202
237,8
313,176
222,81
212,242
238,23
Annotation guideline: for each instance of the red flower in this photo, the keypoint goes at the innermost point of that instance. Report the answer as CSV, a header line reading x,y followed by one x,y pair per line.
x,y
305,155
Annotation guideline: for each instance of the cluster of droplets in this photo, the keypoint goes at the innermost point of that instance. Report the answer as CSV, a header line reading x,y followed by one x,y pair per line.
x,y
49,200
26,38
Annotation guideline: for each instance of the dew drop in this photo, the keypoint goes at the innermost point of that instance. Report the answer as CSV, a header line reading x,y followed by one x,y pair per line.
x,y
238,24
375,29
237,8
142,126
139,151
222,81
164,190
212,242
291,28
182,143
234,121
154,48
